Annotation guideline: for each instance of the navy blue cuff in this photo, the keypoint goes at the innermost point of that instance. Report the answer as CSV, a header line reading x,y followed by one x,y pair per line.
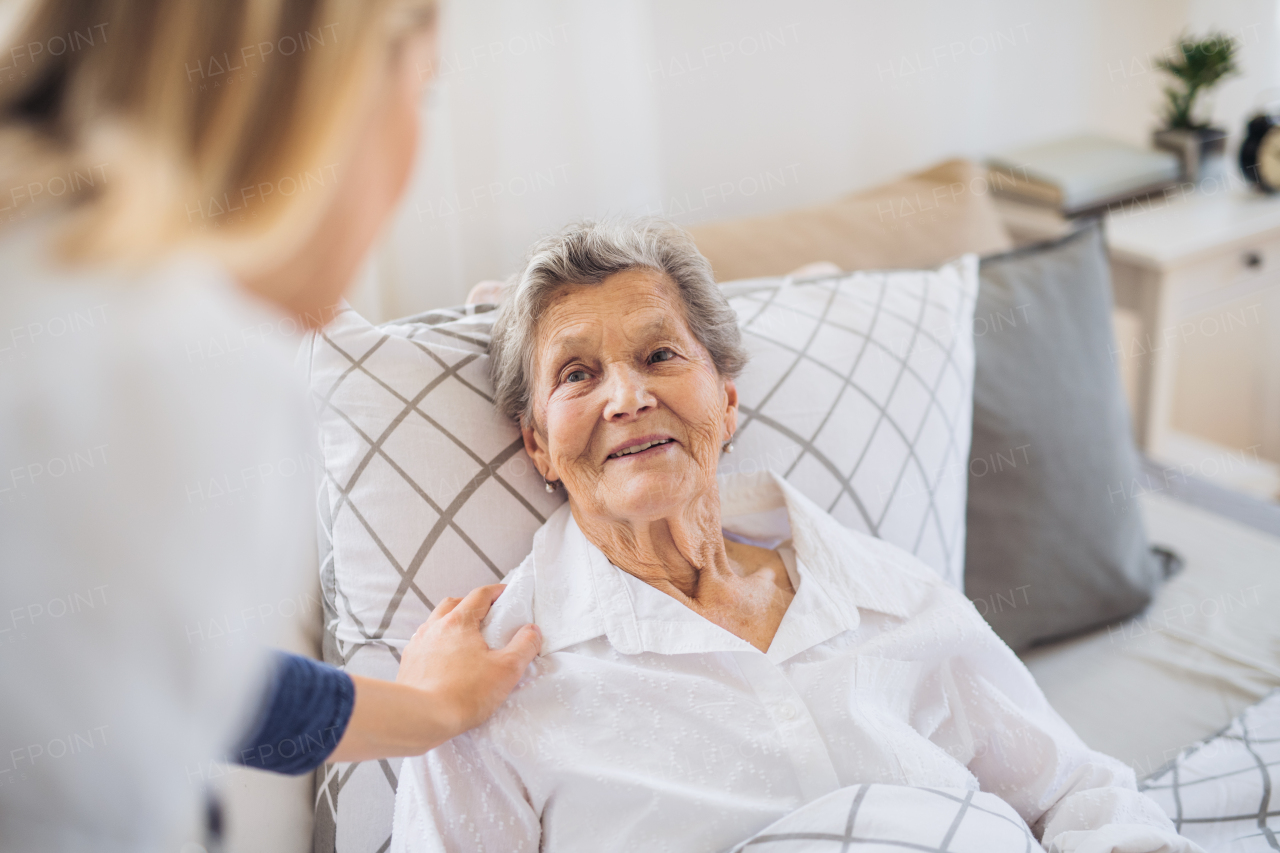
x,y
308,710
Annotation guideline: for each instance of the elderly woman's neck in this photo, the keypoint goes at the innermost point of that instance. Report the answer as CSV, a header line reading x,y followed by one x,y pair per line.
x,y
677,553
742,588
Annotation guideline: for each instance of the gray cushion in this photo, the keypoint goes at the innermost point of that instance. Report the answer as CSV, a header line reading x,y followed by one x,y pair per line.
x,y
1056,543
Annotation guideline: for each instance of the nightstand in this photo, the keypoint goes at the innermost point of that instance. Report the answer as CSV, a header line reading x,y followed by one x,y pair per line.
x,y
1196,278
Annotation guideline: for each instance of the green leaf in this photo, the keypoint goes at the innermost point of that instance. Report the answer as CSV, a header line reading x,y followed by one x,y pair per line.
x,y
1197,65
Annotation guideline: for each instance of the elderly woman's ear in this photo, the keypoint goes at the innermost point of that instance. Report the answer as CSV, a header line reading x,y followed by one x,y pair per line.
x,y
535,446
731,409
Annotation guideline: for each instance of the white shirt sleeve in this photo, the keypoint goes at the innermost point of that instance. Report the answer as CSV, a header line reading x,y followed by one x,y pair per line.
x,y
462,796
1075,799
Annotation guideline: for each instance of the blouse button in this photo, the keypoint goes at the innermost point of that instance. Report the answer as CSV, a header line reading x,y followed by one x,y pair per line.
x,y
787,711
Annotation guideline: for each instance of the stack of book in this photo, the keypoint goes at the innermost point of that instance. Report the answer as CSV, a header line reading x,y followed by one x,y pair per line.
x,y
1082,174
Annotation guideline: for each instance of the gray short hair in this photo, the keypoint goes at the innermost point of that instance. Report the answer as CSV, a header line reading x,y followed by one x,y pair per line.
x,y
587,253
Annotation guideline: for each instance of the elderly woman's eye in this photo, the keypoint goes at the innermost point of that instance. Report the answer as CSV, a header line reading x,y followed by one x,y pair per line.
x,y
582,374
668,355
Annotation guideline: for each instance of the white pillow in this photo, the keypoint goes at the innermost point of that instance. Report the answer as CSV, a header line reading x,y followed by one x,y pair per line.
x,y
427,493
859,390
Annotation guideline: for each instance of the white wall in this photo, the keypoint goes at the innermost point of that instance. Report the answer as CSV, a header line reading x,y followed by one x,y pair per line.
x,y
706,109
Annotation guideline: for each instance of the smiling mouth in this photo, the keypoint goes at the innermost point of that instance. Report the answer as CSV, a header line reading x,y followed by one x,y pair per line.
x,y
640,448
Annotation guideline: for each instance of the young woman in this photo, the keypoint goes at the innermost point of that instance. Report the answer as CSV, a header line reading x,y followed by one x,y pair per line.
x,y
182,185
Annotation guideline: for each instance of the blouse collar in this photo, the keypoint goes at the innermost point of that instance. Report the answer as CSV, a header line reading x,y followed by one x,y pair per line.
x,y
579,595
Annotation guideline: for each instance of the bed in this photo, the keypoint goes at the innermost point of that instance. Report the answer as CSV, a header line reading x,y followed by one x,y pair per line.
x,y
1147,690
1207,648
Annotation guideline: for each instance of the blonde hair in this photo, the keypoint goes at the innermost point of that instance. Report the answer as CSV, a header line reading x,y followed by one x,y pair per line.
x,y
153,124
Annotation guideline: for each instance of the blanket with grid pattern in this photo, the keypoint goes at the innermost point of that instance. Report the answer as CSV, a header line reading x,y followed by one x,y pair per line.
x,y
1219,793
893,819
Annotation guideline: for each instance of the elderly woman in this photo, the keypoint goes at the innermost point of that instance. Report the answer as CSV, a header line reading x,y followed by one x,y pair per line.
x,y
716,653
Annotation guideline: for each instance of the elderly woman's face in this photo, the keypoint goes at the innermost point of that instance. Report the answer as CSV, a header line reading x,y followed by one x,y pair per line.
x,y
616,367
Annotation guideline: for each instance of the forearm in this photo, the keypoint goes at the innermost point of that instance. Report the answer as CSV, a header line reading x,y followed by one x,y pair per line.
x,y
449,681
303,718
392,720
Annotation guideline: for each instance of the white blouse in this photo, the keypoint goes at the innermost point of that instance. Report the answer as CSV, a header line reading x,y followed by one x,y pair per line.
x,y
643,726
156,532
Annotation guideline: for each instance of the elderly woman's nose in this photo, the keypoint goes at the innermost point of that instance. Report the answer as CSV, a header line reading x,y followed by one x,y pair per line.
x,y
626,392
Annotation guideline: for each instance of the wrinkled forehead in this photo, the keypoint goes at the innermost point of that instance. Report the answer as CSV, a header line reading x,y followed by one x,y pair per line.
x,y
631,306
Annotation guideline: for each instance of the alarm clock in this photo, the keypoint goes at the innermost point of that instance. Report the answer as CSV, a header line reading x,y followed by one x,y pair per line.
x,y
1260,152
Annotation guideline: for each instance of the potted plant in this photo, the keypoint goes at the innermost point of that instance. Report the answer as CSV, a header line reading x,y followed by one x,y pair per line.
x,y
1197,66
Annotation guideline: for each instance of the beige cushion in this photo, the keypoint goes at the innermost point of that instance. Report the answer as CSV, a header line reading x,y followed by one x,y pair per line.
x,y
918,222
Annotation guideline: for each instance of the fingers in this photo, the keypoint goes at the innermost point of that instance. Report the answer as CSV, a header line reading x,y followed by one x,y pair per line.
x,y
524,646
487,594
444,608
477,603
